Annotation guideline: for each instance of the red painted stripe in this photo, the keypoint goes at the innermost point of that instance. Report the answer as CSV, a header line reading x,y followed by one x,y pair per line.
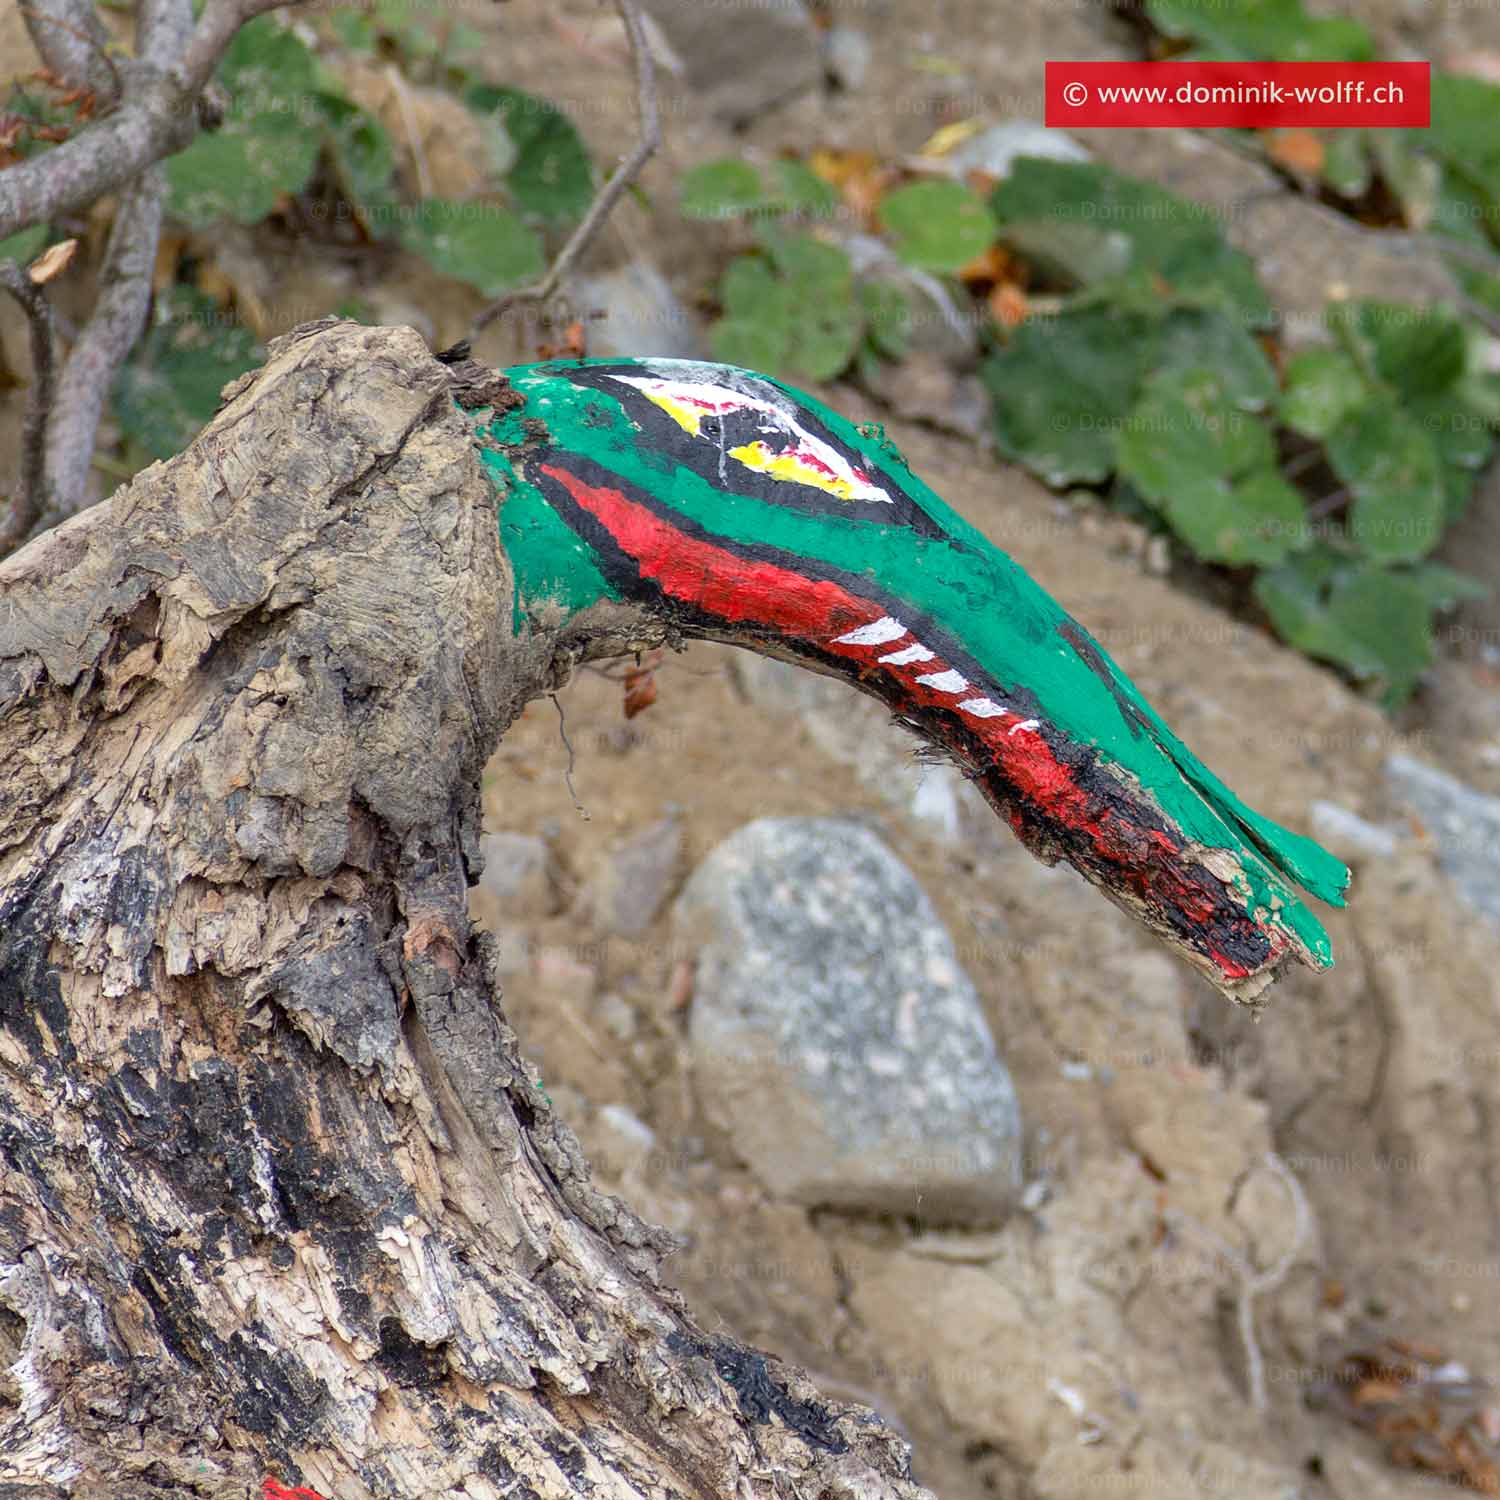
x,y
817,611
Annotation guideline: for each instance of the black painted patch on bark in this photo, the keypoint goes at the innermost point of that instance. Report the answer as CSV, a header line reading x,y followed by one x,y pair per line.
x,y
759,1397
407,1362
29,985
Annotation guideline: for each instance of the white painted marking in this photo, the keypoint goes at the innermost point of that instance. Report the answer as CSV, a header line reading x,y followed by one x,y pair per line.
x,y
983,708
1026,724
908,654
875,634
709,393
945,682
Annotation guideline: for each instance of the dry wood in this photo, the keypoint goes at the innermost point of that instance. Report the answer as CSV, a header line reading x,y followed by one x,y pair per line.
x,y
278,1194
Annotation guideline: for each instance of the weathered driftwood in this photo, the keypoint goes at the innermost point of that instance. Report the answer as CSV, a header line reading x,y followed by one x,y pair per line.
x,y
277,1193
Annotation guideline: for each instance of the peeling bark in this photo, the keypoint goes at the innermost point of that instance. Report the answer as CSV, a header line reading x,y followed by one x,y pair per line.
x,y
278,1194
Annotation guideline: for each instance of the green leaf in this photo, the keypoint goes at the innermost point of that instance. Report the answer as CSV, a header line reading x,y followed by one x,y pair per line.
x,y
1346,162
1443,587
1171,239
1464,111
1206,338
819,268
1062,387
720,190
799,190
169,387
937,225
1392,469
25,244
550,176
1416,350
1373,621
792,312
1415,179
887,316
1390,620
482,243
1254,29
269,142
1323,387
1184,431
752,343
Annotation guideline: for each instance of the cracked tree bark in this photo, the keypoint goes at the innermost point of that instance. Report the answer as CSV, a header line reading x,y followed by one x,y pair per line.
x,y
278,1194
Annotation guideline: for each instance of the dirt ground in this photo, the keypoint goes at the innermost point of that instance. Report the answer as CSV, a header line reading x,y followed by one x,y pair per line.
x,y
1090,1344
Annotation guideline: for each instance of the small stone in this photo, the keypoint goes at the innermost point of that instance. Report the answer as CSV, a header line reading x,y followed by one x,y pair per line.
x,y
1347,835
836,1040
635,880
937,323
516,874
1464,825
994,151
632,310
622,1141
847,54
744,58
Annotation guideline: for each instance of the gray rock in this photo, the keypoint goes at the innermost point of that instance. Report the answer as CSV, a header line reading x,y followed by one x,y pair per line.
x,y
632,310
847,54
1464,824
936,324
995,150
1348,835
835,1039
634,882
516,874
742,56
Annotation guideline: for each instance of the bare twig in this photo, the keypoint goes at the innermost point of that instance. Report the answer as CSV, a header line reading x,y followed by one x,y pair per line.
x,y
71,40
30,496
409,124
119,316
1254,1283
610,193
562,729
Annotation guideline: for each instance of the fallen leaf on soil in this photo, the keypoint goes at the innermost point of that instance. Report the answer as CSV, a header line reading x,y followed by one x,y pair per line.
x,y
1299,151
1428,1411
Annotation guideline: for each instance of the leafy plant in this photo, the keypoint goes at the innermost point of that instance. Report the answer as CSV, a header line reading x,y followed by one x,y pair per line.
x,y
286,116
793,306
1147,373
790,309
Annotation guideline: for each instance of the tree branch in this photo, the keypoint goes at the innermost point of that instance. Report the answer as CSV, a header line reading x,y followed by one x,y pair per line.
x,y
609,195
163,30
157,117
118,318
71,40
30,496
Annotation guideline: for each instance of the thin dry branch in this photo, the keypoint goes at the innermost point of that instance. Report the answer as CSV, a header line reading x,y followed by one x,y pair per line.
x,y
71,40
1252,1282
31,492
620,179
30,495
158,116
116,323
